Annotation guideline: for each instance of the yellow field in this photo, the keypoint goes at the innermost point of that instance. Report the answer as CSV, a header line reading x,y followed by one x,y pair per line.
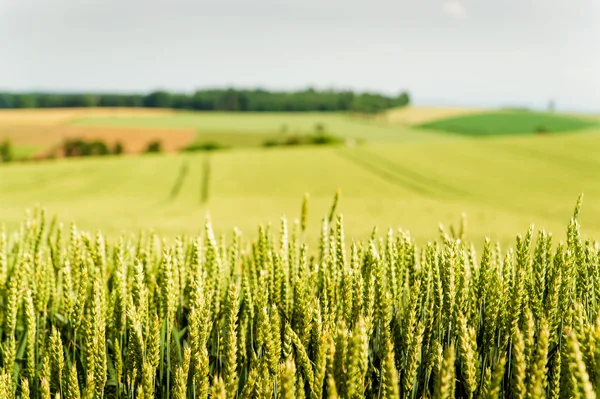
x,y
58,116
418,115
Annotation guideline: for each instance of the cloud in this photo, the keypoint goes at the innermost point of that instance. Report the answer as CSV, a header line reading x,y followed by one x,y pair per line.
x,y
454,9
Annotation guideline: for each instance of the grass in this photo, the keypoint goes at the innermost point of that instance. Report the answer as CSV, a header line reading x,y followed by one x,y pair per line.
x,y
509,122
24,151
503,184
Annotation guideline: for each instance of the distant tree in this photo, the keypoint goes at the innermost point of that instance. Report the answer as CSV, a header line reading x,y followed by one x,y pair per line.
x,y
25,101
403,99
230,99
158,99
89,100
154,146
181,101
83,148
6,100
324,139
98,147
6,154
52,101
67,147
111,100
319,128
270,143
134,100
71,100
345,100
75,148
118,148
551,106
293,140
205,146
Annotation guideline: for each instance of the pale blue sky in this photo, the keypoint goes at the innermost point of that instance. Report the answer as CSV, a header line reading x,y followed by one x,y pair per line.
x,y
472,52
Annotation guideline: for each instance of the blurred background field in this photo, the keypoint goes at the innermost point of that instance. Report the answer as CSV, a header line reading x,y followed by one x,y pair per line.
x,y
399,168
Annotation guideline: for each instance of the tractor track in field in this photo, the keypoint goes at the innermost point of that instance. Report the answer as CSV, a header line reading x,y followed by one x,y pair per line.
x,y
205,182
401,176
415,176
184,172
181,175
387,175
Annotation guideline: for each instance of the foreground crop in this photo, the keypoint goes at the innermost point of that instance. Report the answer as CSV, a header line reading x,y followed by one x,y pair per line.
x,y
225,318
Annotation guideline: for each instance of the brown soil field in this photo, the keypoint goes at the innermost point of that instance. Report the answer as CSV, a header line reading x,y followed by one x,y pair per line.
x,y
46,129
49,138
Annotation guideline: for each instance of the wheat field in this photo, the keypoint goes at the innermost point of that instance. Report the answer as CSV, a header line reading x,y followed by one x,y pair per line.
x,y
140,316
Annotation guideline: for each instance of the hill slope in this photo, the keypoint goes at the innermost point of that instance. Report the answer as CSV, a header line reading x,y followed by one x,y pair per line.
x,y
503,184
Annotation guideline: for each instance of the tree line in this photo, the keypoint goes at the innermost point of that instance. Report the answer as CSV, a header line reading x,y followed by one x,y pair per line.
x,y
217,100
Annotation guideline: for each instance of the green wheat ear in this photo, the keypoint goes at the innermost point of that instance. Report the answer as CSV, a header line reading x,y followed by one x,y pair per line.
x,y
336,199
73,384
25,392
304,212
288,380
445,384
578,207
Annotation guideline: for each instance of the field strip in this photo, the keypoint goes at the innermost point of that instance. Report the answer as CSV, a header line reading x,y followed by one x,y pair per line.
x,y
385,174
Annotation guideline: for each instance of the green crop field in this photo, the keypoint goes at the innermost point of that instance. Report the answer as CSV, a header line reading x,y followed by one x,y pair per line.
x,y
509,122
23,151
503,185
